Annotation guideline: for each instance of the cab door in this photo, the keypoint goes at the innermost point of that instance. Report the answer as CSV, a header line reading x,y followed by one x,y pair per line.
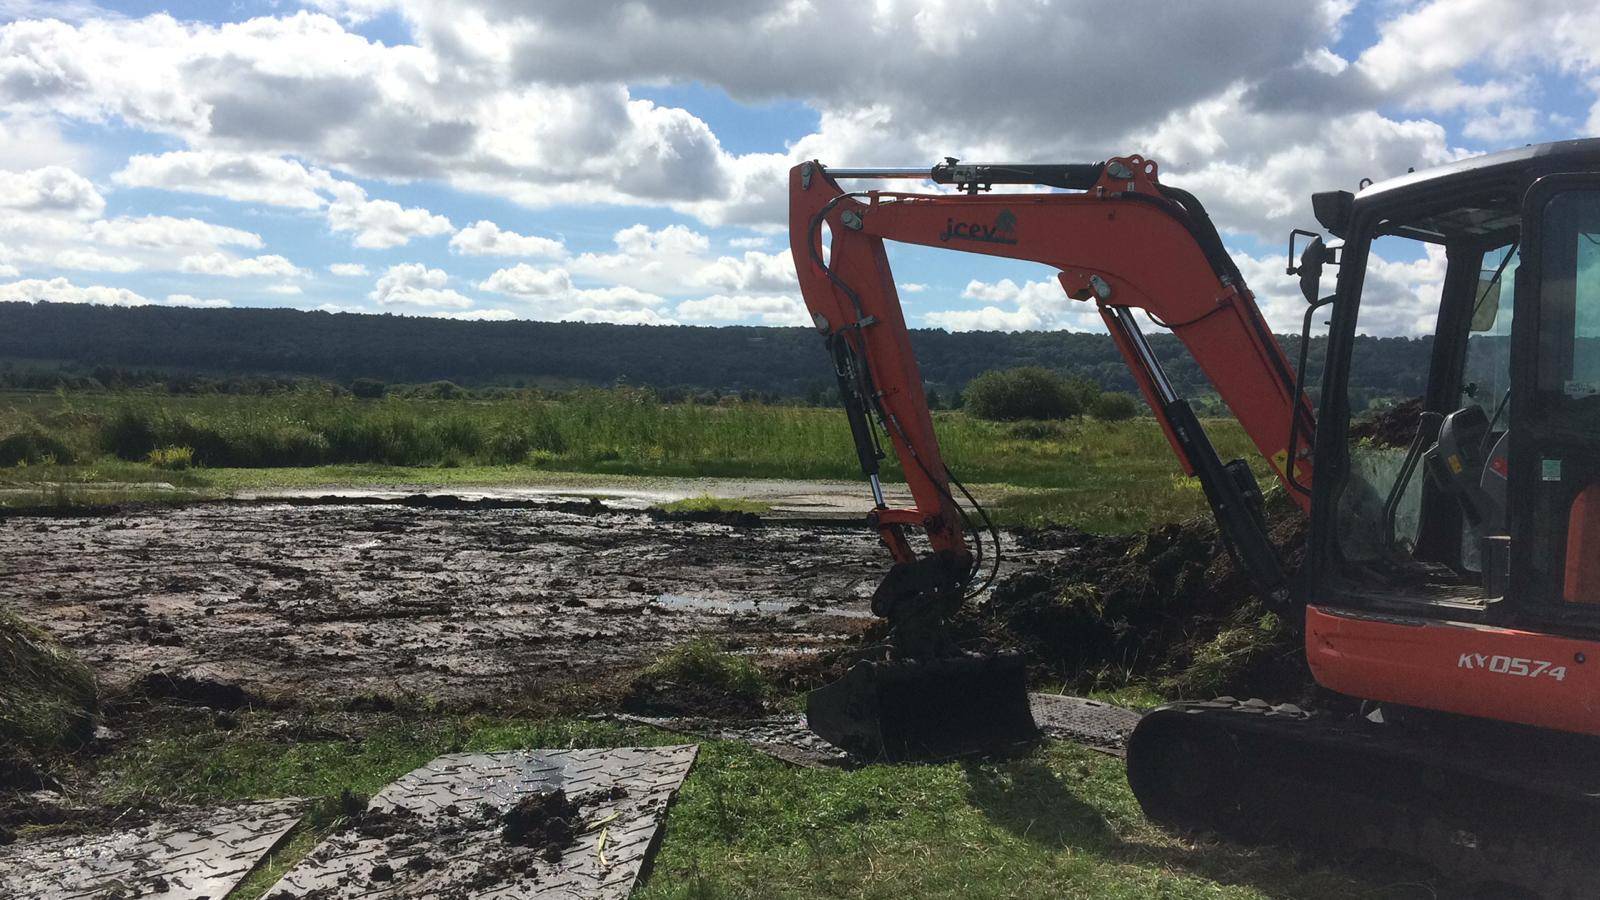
x,y
1554,459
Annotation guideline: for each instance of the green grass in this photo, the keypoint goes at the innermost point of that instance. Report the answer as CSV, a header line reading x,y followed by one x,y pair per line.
x,y
708,503
702,662
1108,476
47,696
1058,822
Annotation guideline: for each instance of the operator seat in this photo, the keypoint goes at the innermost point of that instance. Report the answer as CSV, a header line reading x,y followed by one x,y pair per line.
x,y
1456,463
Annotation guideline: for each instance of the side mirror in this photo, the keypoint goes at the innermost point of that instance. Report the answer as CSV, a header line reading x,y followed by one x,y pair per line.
x,y
1312,259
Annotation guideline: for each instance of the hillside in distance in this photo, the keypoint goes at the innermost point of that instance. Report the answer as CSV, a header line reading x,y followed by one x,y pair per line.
x,y
787,362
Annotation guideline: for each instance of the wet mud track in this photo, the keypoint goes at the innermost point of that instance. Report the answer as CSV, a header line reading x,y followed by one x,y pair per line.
x,y
319,602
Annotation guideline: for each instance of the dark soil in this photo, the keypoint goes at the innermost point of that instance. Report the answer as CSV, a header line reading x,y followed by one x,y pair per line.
x,y
650,696
731,517
197,689
1391,427
546,821
1166,607
387,605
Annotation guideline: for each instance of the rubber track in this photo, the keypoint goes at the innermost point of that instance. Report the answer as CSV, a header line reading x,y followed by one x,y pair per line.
x,y
1479,801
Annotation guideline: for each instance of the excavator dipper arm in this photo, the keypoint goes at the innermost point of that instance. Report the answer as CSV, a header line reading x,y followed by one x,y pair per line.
x,y
1123,242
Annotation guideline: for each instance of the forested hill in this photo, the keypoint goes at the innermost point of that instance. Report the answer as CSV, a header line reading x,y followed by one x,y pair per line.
x,y
783,361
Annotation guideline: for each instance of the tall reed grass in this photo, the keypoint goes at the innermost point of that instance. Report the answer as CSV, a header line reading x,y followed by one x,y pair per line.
x,y
619,430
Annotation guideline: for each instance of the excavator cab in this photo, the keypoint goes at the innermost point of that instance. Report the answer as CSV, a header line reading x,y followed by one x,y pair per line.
x,y
1476,503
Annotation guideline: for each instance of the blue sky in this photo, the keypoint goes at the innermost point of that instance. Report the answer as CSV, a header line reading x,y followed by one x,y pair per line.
x,y
625,162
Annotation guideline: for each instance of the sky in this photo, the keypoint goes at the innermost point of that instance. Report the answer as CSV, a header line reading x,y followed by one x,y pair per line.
x,y
626,161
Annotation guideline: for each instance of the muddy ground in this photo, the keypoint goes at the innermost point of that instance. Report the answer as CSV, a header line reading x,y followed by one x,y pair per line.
x,y
495,603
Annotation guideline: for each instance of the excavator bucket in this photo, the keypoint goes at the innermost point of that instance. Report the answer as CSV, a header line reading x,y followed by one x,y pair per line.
x,y
909,710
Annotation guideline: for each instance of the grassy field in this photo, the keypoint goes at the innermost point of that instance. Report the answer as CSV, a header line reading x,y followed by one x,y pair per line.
x,y
1109,476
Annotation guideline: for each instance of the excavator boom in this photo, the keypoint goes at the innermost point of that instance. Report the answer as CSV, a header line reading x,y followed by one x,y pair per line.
x,y
1121,241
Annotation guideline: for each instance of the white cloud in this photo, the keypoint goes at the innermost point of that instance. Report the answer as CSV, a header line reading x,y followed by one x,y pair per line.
x,y
227,266
911,287
244,177
764,309
523,280
52,189
756,271
414,284
48,241
35,142
498,314
381,224
284,288
549,294
484,238
1034,305
749,243
60,290
93,261
169,234
196,302
1508,123
349,270
617,317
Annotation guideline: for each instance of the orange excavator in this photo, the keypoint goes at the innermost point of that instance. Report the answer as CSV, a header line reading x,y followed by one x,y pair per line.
x,y
1451,580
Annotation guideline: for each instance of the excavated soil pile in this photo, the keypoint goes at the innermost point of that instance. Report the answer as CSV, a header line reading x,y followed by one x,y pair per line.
x,y
546,821
1391,427
1166,607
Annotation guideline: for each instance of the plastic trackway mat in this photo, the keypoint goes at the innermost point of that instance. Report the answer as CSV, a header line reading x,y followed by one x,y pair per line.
x,y
188,855
442,830
1096,725
784,737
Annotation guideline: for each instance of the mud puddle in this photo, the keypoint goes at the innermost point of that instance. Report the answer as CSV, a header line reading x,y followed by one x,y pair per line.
x,y
334,602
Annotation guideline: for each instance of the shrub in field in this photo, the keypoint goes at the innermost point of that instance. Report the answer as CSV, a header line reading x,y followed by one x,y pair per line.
x,y
129,435
437,390
171,458
1113,406
32,447
1031,392
368,388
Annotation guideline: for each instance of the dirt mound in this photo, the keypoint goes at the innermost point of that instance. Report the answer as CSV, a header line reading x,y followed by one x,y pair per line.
x,y
545,820
1391,427
1166,607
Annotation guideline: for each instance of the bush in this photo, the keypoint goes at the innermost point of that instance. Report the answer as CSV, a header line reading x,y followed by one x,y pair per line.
x,y
32,447
437,390
128,436
171,458
1114,407
368,388
1031,392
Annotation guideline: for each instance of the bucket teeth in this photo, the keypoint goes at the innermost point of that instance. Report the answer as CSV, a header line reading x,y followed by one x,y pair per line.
x,y
936,709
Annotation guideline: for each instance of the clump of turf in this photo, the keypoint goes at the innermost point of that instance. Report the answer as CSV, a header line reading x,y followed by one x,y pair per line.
x,y
698,679
47,696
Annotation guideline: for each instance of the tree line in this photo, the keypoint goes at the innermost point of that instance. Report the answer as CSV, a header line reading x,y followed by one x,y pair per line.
x,y
275,347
